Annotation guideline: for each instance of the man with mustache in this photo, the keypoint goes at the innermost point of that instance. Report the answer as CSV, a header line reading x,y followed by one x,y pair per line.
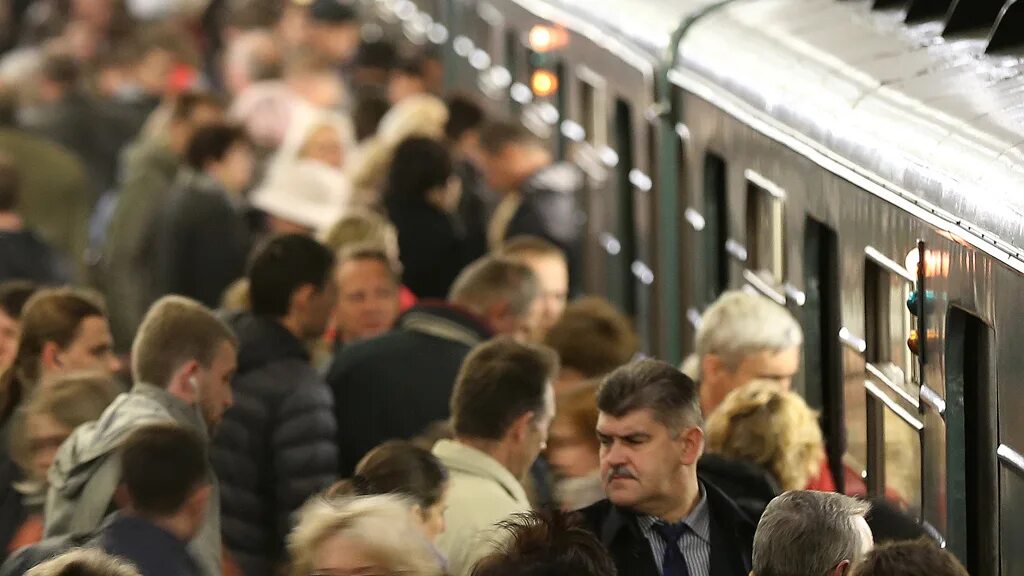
x,y
658,519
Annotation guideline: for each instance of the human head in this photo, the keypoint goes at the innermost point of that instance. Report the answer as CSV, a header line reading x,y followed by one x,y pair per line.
x,y
572,447
224,152
301,197
364,227
744,336
10,185
52,413
164,471
408,78
13,296
500,291
367,293
503,397
370,109
252,57
402,468
291,280
367,534
774,428
649,427
912,558
422,171
374,61
183,348
592,338
465,117
334,30
59,76
63,330
189,111
807,533
84,562
510,154
552,269
547,543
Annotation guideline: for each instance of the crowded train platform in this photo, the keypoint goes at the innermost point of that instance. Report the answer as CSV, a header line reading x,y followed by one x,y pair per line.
x,y
510,288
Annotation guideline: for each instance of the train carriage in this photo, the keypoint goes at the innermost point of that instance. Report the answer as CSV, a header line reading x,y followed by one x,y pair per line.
x,y
859,162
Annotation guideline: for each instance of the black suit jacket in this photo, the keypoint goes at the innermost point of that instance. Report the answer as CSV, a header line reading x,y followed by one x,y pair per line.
x,y
732,537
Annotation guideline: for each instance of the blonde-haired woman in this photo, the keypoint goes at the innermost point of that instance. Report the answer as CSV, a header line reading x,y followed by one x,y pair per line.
x,y
362,535
763,424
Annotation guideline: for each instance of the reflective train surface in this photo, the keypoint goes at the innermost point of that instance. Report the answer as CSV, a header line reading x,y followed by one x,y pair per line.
x,y
859,162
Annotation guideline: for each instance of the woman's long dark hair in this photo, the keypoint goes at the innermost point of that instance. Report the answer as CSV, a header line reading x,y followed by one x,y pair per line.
x,y
419,166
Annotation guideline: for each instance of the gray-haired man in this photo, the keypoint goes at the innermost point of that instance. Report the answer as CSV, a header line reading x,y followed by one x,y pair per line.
x,y
806,533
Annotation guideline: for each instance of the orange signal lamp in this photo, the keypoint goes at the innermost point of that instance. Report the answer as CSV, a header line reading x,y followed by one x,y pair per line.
x,y
914,341
546,38
544,83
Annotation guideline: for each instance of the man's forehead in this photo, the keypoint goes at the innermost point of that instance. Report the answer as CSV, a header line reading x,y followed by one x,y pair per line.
x,y
632,422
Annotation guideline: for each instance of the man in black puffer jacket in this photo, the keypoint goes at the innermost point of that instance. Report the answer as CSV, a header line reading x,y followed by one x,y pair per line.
x,y
276,446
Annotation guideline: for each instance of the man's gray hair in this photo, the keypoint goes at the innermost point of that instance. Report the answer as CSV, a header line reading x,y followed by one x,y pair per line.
x,y
740,324
84,562
806,533
491,280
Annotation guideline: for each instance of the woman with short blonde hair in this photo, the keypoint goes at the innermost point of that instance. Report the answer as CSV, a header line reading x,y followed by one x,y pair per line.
x,y
367,534
774,428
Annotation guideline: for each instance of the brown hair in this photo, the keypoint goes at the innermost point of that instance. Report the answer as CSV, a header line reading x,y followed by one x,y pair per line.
x,y
652,385
549,542
761,423
50,315
914,558
72,400
592,337
500,381
579,407
397,467
174,331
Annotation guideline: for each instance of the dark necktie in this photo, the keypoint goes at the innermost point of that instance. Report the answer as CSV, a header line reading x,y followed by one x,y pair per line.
x,y
673,563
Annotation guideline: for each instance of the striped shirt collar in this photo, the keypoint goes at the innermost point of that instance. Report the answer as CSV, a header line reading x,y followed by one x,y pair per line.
x,y
699,519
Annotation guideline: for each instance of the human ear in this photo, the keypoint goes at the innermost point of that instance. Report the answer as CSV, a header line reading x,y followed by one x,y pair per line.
x,y
693,445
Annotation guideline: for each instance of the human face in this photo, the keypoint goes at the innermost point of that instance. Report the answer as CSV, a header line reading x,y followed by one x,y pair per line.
x,y
92,349
10,330
718,380
342,556
571,454
324,145
432,518
402,86
215,395
44,436
320,309
235,170
367,299
498,170
553,276
338,42
642,461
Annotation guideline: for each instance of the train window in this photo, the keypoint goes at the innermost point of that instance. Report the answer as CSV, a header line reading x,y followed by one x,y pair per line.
x,y
823,370
971,442
902,468
716,228
588,108
888,324
765,241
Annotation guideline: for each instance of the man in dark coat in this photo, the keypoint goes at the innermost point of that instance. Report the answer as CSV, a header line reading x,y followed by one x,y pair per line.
x,y
203,235
167,484
276,446
395,385
540,197
659,519
23,254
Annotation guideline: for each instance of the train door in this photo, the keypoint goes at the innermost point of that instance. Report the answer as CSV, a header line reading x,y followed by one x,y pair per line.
x,y
972,485
622,288
823,371
713,271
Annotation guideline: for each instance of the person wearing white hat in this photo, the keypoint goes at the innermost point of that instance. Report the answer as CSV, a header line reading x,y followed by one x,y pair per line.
x,y
305,196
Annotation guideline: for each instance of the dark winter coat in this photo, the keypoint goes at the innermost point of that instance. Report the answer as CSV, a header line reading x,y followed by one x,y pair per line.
x,y
750,486
550,207
25,256
432,245
203,241
732,537
275,447
395,385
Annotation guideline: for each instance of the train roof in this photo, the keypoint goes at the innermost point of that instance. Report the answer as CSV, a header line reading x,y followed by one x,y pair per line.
x,y
932,118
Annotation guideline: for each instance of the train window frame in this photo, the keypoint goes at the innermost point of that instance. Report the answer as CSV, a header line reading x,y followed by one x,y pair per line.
x,y
595,125
887,326
766,228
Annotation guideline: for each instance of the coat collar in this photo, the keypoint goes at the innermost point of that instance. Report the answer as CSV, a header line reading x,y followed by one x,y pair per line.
x,y
464,459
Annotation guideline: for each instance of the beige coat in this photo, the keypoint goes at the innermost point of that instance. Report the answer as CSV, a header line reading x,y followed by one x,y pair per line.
x,y
482,493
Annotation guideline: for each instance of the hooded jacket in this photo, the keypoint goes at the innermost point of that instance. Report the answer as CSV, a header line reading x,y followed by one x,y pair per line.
x,y
87,468
276,445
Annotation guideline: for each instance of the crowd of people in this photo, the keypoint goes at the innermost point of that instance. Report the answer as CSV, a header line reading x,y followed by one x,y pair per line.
x,y
271,301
